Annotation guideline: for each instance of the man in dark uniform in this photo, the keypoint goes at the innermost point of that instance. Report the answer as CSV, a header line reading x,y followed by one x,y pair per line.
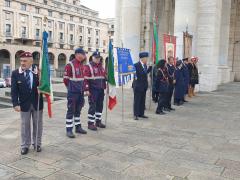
x,y
171,79
179,86
186,78
96,75
155,94
76,85
140,85
162,80
24,93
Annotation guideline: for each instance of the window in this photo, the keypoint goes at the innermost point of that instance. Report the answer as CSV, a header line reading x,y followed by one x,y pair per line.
x,y
23,7
60,26
61,15
74,2
7,3
61,36
71,37
37,10
8,28
49,13
104,42
50,35
37,32
89,40
97,32
80,29
89,22
89,31
112,26
80,39
45,2
50,24
7,15
24,31
71,18
97,41
80,20
71,27
38,21
97,24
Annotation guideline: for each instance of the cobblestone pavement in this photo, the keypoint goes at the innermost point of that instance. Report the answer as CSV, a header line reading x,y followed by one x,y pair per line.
x,y
199,141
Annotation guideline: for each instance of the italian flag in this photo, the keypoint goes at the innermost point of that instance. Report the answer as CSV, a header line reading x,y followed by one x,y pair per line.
x,y
155,49
112,101
45,86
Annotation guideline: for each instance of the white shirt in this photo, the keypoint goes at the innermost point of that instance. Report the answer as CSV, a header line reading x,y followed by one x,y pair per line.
x,y
31,77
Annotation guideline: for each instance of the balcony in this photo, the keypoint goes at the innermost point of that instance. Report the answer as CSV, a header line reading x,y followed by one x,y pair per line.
x,y
90,45
71,42
61,41
23,36
50,40
8,34
37,38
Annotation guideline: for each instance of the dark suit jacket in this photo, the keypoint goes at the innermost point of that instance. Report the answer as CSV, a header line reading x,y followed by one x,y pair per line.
x,y
21,95
140,82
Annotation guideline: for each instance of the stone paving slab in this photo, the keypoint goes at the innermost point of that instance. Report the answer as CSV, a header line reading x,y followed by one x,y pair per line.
x,y
199,141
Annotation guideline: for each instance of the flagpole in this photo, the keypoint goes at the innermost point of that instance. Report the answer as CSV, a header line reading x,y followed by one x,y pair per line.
x,y
106,108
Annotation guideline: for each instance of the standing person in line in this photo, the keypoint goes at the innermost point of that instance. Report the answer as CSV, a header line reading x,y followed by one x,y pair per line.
x,y
76,85
179,86
186,78
172,81
24,94
96,75
155,94
140,85
193,73
163,83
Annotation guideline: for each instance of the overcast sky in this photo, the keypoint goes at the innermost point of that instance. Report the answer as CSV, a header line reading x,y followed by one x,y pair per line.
x,y
106,8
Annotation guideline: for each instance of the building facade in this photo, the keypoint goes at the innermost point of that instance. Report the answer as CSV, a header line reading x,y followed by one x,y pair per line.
x,y
214,26
68,23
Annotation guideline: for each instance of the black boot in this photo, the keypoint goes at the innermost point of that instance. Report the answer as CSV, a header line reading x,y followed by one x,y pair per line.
x,y
70,134
100,124
92,126
80,130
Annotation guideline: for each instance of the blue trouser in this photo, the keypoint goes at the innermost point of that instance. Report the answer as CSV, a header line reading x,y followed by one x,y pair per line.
x,y
95,101
74,105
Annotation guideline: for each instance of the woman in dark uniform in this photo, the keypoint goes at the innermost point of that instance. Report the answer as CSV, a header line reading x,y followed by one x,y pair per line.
x,y
193,73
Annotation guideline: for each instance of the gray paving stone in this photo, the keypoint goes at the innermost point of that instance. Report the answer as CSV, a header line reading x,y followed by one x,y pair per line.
x,y
231,174
64,175
229,164
35,168
204,176
8,172
26,176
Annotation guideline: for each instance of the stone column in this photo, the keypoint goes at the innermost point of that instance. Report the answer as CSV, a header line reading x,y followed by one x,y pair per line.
x,y
130,26
223,68
208,42
185,15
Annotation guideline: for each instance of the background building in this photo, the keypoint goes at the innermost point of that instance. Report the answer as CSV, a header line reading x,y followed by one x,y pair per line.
x,y
68,23
214,25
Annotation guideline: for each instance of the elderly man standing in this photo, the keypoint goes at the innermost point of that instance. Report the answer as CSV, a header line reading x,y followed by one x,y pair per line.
x,y
24,93
140,85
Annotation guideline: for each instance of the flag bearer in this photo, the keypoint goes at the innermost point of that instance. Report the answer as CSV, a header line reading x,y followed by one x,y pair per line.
x,y
76,85
96,75
171,78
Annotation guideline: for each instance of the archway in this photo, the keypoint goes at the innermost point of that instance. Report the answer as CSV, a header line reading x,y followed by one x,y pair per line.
x,y
17,58
51,62
5,70
61,64
71,57
36,58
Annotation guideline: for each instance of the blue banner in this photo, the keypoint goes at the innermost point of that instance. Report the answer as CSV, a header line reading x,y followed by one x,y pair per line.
x,y
125,65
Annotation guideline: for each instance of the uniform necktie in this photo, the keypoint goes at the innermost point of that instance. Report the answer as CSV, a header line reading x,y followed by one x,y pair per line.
x,y
145,68
28,80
